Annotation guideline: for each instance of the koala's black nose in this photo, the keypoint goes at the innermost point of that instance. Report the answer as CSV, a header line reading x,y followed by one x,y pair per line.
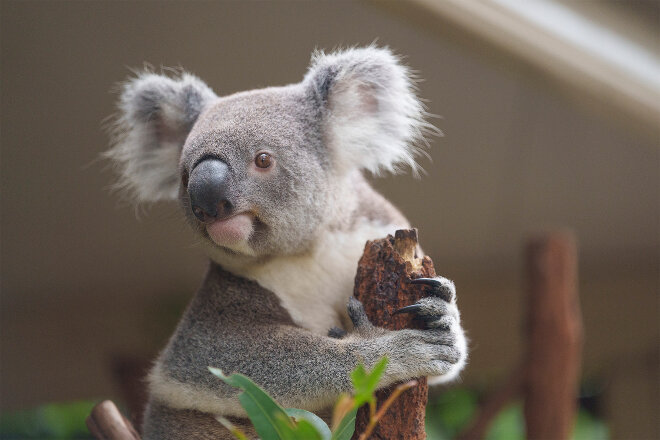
x,y
207,188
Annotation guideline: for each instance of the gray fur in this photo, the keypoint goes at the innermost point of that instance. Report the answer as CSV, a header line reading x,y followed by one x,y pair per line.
x,y
236,325
165,423
258,311
155,115
368,101
291,201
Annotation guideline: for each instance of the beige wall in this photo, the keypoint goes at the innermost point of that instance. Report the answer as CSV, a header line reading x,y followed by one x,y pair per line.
x,y
82,278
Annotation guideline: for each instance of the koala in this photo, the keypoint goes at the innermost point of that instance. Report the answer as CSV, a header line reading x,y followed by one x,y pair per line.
x,y
271,181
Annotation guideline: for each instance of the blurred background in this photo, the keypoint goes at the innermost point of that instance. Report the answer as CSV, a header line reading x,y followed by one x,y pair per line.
x,y
550,112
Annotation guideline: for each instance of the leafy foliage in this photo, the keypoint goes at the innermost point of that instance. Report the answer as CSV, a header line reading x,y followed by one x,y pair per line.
x,y
268,418
446,416
451,412
54,421
272,422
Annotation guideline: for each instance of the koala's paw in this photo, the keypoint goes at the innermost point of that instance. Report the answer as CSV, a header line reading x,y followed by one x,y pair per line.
x,y
441,349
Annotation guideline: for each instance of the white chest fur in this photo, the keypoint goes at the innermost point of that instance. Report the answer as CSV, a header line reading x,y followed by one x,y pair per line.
x,y
315,288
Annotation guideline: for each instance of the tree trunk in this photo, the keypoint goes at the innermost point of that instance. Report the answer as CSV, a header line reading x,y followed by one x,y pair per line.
x,y
382,285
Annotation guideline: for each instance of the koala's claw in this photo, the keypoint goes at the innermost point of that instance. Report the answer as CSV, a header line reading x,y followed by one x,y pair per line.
x,y
408,309
428,315
435,312
433,282
440,287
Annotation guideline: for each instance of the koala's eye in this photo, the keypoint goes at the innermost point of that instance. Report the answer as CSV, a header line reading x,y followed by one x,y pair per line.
x,y
263,160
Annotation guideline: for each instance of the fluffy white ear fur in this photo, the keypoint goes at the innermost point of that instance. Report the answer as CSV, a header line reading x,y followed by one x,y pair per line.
x,y
372,118
156,114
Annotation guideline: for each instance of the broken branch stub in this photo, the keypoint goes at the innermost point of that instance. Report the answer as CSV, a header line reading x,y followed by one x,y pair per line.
x,y
383,286
106,423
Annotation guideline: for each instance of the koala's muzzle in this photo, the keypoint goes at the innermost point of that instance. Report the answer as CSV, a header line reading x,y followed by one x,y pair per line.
x,y
207,188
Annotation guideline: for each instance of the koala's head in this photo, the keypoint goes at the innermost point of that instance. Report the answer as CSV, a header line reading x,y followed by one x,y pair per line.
x,y
259,172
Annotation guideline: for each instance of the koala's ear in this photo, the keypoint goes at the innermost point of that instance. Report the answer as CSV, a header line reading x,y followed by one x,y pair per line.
x,y
372,118
156,113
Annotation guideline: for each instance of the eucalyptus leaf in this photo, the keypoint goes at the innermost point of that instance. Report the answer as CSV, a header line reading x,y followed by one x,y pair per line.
x,y
375,375
300,415
308,431
303,430
346,427
365,383
269,419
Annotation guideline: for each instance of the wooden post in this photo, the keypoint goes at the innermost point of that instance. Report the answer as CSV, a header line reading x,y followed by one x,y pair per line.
x,y
554,326
382,285
547,378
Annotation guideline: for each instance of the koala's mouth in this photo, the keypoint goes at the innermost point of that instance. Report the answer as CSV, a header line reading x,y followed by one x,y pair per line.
x,y
232,230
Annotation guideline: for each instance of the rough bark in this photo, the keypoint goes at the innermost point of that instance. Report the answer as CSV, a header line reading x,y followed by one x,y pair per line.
x,y
381,284
555,337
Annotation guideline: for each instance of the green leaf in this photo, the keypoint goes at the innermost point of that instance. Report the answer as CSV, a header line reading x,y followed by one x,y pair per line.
x,y
306,430
346,427
303,430
300,415
269,419
366,383
374,376
358,375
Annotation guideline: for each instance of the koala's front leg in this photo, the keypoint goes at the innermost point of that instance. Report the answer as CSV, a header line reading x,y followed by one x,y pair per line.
x,y
439,351
308,371
297,367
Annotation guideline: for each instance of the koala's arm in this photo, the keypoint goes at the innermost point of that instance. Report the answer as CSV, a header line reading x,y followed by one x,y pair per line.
x,y
244,329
